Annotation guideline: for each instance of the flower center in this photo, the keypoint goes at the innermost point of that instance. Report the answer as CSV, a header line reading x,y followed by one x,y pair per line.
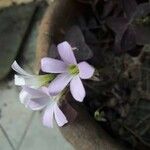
x,y
45,79
73,69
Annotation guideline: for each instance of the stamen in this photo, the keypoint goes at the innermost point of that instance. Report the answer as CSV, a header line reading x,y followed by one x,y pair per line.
x,y
73,69
74,48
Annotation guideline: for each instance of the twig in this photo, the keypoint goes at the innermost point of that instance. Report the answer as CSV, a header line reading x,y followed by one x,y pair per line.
x,y
145,129
137,136
141,121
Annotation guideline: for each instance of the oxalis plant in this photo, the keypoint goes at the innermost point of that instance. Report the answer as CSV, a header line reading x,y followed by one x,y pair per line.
x,y
46,91
113,36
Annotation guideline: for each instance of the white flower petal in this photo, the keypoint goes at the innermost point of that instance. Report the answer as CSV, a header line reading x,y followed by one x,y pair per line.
x,y
33,81
19,70
35,99
66,53
51,65
24,97
86,71
48,117
77,89
38,103
59,83
59,116
19,80
35,93
45,90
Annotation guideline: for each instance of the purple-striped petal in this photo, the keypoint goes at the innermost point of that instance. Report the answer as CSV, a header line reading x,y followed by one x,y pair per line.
x,y
86,71
66,53
35,93
59,116
38,103
48,117
51,65
77,89
59,83
35,99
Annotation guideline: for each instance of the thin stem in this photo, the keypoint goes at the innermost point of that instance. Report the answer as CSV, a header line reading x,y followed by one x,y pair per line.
x,y
137,136
141,121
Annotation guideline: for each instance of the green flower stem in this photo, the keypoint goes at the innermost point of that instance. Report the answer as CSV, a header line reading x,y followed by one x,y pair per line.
x,y
45,79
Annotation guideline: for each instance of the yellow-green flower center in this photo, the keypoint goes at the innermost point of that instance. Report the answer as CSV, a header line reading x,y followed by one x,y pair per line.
x,y
45,79
73,69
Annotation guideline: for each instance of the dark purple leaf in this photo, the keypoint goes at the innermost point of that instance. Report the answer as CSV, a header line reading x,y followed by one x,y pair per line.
x,y
53,52
90,37
142,10
131,31
142,32
129,6
82,23
118,25
128,40
141,1
95,2
108,7
92,23
84,1
142,35
75,37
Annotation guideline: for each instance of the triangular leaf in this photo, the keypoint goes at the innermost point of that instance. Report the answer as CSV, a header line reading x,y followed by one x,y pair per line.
x,y
142,35
128,41
75,37
118,25
129,6
142,10
53,52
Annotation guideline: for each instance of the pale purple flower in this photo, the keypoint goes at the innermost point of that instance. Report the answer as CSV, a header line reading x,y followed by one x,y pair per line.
x,y
23,78
70,72
38,99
